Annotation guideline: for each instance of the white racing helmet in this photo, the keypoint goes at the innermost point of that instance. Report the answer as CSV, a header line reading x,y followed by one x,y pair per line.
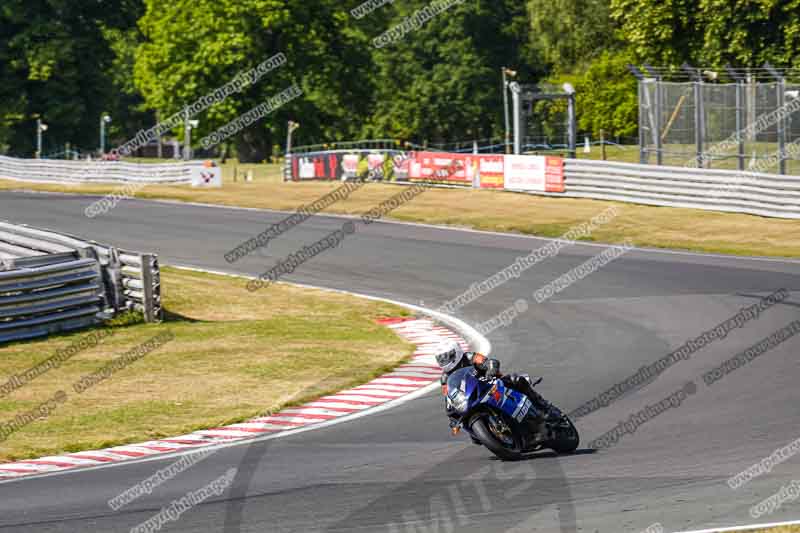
x,y
449,355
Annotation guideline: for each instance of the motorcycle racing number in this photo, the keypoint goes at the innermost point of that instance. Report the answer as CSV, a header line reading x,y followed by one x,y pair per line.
x,y
522,410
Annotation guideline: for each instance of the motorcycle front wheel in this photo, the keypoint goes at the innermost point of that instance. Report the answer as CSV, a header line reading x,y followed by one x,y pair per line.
x,y
567,438
496,434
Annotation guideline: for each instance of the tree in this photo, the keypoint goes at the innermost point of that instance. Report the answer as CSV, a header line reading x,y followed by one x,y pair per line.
x,y
190,51
55,61
442,81
749,32
570,33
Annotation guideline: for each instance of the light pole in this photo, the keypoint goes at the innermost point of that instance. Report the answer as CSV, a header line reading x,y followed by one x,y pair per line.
x,y
40,127
511,73
187,138
105,118
516,91
572,132
292,126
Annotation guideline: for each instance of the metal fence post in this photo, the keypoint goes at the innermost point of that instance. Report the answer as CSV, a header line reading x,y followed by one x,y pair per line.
x,y
740,112
147,288
781,124
640,99
517,113
572,124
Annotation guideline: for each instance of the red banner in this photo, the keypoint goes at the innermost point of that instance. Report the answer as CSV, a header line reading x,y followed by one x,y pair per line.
x,y
554,174
491,171
439,167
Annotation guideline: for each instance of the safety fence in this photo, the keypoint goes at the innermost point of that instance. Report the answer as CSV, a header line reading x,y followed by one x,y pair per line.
x,y
51,282
66,172
736,191
719,190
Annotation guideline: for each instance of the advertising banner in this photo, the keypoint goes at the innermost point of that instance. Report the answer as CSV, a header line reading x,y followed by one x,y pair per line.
x,y
490,171
439,167
554,174
378,166
525,173
207,176
535,173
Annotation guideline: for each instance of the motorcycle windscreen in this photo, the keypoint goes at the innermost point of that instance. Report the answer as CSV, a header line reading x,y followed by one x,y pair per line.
x,y
462,388
513,403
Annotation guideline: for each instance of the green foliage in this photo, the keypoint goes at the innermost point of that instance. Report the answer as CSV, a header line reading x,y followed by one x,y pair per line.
x,y
55,61
443,81
711,32
750,32
569,33
71,60
192,48
607,97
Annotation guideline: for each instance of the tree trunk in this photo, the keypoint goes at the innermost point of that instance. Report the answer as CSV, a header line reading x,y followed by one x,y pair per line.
x,y
253,146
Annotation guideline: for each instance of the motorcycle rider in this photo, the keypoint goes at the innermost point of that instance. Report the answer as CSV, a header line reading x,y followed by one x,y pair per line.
x,y
451,357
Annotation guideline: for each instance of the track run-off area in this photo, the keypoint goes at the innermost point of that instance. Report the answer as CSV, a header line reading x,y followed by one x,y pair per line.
x,y
400,469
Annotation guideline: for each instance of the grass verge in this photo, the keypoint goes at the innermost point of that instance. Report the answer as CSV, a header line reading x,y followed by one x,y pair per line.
x,y
780,529
235,355
659,227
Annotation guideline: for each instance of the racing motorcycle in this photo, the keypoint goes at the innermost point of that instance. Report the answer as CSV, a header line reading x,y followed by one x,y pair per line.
x,y
503,419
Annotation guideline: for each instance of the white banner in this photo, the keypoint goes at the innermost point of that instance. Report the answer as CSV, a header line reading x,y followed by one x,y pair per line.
x,y
525,172
203,176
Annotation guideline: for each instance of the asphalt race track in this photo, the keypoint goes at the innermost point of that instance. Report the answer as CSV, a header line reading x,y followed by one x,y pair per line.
x,y
401,471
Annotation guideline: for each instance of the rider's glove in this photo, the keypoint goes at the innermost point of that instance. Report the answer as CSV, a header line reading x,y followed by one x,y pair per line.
x,y
493,368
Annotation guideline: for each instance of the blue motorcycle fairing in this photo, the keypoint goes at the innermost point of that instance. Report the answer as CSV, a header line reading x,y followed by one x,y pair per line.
x,y
465,391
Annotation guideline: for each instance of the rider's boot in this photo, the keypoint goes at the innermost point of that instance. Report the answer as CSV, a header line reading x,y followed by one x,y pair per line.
x,y
523,384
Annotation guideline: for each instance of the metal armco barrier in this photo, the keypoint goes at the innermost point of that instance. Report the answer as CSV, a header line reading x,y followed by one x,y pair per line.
x,y
768,195
52,282
60,171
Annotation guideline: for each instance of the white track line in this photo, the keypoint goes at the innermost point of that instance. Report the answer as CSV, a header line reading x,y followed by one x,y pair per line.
x,y
744,528
364,400
445,228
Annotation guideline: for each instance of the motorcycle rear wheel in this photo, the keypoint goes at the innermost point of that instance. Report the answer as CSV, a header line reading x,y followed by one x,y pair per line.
x,y
506,446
